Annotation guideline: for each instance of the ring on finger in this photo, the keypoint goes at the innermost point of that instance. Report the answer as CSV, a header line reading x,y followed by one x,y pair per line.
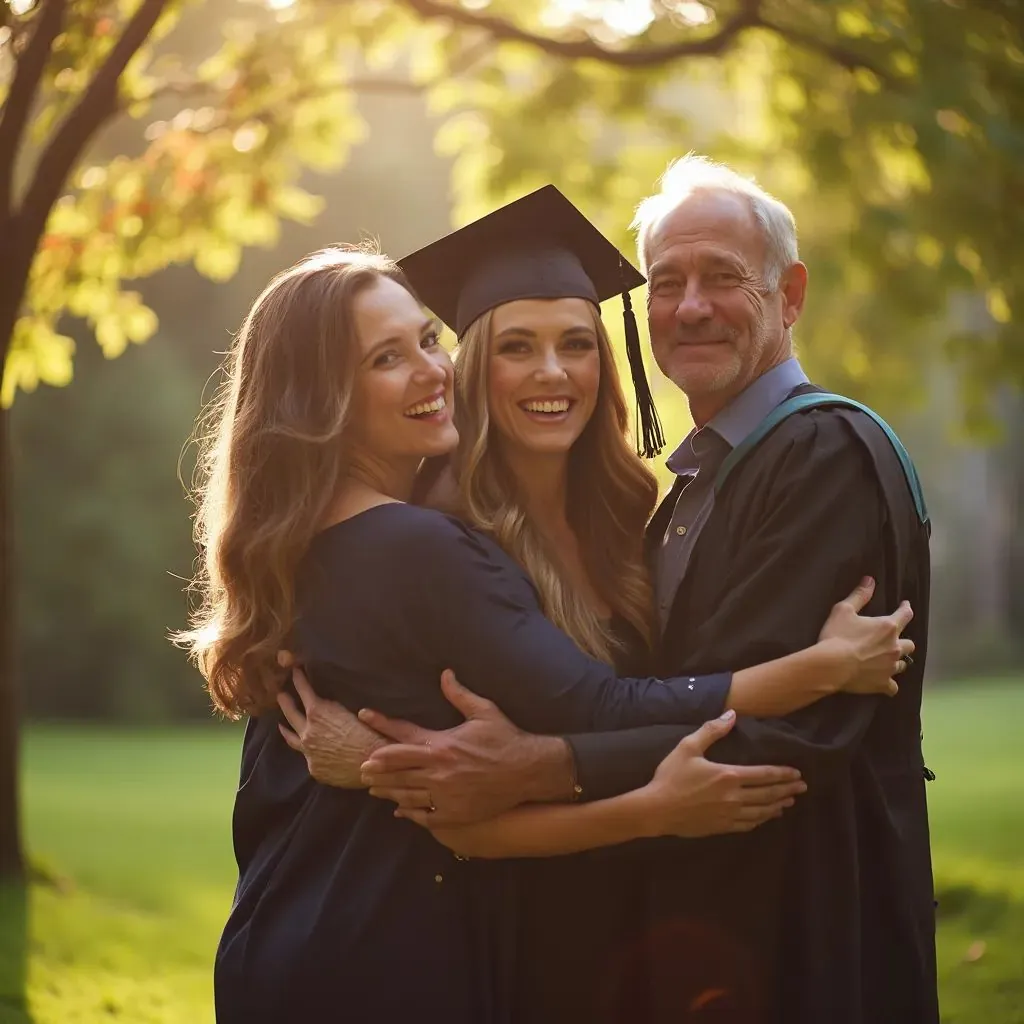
x,y
430,803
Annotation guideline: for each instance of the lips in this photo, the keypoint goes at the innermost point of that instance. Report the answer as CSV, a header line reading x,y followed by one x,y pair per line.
x,y
547,406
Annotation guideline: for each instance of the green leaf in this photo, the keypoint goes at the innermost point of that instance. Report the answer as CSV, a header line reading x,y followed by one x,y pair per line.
x,y
297,204
218,259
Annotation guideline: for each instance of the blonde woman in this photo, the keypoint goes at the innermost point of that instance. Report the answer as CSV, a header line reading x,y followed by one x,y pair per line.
x,y
544,468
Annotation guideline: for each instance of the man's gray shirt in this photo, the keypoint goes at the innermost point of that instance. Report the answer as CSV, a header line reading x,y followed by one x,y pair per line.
x,y
699,457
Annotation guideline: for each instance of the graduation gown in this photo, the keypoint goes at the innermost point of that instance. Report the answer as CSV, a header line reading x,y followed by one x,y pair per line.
x,y
825,916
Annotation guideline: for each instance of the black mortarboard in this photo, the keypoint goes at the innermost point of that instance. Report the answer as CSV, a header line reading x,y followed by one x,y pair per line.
x,y
538,247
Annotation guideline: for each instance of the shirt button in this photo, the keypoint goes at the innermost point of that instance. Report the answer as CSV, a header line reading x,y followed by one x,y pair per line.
x,y
439,878
681,530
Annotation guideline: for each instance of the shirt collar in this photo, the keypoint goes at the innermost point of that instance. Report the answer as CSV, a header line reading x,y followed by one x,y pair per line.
x,y
742,415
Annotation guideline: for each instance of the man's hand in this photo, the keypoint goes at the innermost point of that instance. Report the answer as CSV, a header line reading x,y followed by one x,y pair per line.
x,y
467,774
334,742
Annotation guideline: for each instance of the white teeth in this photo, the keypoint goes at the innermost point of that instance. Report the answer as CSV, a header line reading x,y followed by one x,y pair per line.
x,y
425,408
559,405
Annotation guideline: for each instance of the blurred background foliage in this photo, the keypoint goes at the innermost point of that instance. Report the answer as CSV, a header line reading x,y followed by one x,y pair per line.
x,y
248,132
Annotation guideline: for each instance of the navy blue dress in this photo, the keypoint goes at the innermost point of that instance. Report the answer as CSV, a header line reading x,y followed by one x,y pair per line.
x,y
343,912
582,919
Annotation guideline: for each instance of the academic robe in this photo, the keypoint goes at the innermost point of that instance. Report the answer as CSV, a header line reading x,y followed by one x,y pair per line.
x,y
825,916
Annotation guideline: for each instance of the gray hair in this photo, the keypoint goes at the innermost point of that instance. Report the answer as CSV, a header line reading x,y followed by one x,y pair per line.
x,y
695,173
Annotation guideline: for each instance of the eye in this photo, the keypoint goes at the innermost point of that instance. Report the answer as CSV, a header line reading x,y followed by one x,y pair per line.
x,y
385,359
724,277
665,286
514,346
430,340
581,344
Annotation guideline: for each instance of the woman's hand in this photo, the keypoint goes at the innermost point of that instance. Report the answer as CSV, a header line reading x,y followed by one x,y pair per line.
x,y
333,741
872,646
691,796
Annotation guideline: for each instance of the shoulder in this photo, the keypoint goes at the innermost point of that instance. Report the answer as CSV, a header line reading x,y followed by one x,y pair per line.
x,y
399,532
812,449
824,434
412,548
424,539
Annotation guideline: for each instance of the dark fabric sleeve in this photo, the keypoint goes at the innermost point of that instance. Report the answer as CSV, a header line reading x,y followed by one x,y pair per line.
x,y
486,625
820,528
609,763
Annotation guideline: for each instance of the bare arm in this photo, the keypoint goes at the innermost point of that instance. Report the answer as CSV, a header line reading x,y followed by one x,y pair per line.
x,y
689,796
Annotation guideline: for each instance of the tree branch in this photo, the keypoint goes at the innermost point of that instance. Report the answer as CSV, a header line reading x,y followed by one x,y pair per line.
x,y
29,68
503,30
73,134
748,16
837,54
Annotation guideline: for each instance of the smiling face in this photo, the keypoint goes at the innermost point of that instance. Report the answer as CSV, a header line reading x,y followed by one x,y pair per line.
x,y
402,398
544,373
714,325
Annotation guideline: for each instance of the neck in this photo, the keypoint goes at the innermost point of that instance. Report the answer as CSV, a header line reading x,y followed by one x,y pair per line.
x,y
543,482
704,408
389,479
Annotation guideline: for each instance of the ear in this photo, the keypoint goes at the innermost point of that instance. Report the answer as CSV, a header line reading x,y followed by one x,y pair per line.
x,y
794,291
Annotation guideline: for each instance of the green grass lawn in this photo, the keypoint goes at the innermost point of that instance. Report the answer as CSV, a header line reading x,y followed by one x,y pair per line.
x,y
133,830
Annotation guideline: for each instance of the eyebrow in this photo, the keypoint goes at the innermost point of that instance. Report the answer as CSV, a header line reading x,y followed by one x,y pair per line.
x,y
702,260
658,268
527,333
395,339
721,260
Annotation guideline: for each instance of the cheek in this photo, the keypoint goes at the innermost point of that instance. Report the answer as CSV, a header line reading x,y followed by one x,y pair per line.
x,y
745,308
588,377
376,399
661,319
504,383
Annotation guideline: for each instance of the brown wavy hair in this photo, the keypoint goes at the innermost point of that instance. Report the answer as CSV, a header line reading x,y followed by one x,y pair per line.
x,y
271,460
611,496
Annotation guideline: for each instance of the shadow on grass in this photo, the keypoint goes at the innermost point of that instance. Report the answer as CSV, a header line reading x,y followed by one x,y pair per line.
x,y
985,909
13,954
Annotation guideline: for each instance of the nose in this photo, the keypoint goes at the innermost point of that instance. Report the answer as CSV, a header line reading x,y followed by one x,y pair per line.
x,y
433,367
694,307
550,369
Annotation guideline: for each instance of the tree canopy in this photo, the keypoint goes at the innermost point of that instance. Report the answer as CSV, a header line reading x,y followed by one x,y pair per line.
x,y
894,129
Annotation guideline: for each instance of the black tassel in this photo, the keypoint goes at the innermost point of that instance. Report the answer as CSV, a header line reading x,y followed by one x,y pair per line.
x,y
649,436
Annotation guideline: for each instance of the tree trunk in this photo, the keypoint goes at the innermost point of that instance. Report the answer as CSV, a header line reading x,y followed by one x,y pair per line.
x,y
12,864
12,861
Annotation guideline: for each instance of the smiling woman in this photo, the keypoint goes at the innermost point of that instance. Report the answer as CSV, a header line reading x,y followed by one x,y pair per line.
x,y
545,464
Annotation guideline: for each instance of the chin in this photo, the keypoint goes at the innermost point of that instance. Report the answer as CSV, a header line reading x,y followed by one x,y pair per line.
x,y
699,380
551,445
443,444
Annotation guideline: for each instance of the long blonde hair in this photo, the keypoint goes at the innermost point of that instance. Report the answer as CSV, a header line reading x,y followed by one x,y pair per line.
x,y
270,463
611,496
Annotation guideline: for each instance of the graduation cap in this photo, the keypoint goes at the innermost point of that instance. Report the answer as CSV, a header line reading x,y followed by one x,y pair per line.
x,y
538,247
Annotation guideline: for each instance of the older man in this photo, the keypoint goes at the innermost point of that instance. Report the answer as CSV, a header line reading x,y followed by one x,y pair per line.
x,y
742,570
826,916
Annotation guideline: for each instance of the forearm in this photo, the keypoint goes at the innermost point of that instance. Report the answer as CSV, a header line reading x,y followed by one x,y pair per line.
x,y
554,829
545,770
609,763
780,687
